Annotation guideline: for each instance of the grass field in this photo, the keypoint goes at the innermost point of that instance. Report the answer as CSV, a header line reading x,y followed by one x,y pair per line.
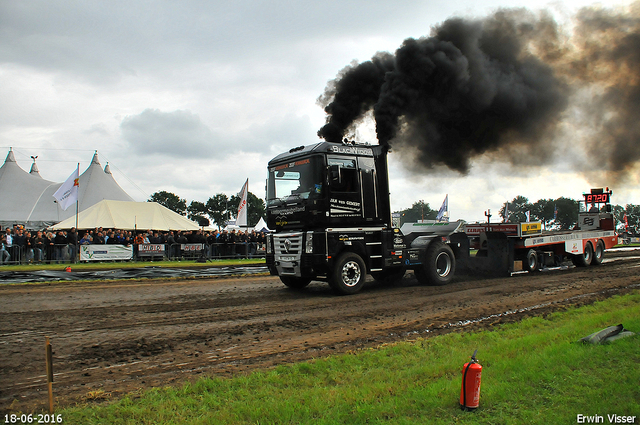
x,y
129,264
534,373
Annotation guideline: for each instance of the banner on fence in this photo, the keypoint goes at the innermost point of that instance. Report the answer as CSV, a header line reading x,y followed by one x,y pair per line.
x,y
105,252
151,249
192,247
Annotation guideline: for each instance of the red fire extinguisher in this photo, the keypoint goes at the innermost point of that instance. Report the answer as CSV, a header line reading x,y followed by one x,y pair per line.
x,y
470,392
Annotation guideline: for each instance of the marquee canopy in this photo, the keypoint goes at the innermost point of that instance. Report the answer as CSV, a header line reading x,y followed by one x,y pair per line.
x,y
27,198
128,216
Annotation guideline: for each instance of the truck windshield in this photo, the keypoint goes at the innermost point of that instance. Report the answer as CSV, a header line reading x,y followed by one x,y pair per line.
x,y
293,181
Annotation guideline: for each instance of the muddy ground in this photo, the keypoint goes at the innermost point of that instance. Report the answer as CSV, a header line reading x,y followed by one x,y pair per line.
x,y
110,338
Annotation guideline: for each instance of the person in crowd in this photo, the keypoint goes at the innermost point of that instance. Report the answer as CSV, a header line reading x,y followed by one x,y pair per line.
x,y
72,242
112,238
60,244
4,253
86,239
49,247
19,243
138,239
38,243
98,239
212,241
28,247
173,248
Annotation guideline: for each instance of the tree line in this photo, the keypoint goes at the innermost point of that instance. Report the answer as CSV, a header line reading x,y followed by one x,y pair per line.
x,y
217,209
560,213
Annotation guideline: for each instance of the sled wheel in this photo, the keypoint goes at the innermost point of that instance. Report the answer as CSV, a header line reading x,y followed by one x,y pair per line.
x,y
584,259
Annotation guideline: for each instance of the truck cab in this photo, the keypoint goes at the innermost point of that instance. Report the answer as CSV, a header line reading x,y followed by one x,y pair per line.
x,y
329,206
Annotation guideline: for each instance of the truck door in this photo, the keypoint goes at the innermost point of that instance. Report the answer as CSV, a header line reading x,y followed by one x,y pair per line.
x,y
369,198
345,199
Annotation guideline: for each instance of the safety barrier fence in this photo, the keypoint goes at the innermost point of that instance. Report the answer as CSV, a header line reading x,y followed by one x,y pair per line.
x,y
51,254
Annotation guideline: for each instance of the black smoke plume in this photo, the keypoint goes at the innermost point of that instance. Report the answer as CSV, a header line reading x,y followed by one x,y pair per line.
x,y
502,85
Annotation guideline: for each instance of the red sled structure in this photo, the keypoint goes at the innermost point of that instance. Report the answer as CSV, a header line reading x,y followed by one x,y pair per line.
x,y
513,247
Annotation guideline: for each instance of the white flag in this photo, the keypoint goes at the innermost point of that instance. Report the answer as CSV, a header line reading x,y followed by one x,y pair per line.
x,y
67,194
241,218
528,215
443,214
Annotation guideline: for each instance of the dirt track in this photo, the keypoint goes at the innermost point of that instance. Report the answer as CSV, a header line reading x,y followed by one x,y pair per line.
x,y
113,337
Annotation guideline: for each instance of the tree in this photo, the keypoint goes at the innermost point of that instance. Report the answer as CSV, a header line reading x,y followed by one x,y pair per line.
x,y
197,211
217,209
170,200
543,210
517,209
418,211
255,208
567,216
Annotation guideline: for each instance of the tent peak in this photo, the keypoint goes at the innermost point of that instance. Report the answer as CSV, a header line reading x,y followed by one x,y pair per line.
x,y
95,158
107,169
34,169
10,156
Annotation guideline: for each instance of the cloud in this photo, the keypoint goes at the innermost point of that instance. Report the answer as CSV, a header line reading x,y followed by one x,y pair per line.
x,y
178,133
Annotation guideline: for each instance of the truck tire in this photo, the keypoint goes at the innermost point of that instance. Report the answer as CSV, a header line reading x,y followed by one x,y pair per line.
x,y
530,262
584,259
439,265
294,282
389,276
348,275
598,254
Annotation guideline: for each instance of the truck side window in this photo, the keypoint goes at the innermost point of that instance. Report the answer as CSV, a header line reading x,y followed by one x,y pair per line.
x,y
344,174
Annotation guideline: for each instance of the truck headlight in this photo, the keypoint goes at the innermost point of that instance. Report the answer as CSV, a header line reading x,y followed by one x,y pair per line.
x,y
308,246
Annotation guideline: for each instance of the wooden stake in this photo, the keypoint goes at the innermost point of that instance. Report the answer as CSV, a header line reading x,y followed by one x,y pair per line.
x,y
49,360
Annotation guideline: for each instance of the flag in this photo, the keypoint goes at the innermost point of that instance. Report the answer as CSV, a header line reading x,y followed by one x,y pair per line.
x,y
555,212
506,212
528,214
444,210
241,218
67,194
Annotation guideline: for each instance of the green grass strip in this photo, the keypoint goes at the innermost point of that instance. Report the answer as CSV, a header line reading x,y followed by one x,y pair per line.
x,y
533,373
130,265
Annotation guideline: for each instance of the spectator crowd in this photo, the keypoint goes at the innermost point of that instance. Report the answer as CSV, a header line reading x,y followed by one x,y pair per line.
x,y
19,245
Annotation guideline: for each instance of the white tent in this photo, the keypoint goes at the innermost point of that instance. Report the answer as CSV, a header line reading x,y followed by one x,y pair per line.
x,y
128,216
261,226
27,198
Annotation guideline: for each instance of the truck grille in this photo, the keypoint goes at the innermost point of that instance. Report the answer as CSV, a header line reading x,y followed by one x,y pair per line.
x,y
288,244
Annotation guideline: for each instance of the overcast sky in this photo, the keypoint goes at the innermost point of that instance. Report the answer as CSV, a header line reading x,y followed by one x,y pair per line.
x,y
194,97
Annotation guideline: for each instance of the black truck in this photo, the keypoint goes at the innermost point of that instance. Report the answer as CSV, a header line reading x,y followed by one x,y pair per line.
x,y
328,205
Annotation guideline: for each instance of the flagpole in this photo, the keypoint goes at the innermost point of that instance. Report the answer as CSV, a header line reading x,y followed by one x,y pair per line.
x,y
77,251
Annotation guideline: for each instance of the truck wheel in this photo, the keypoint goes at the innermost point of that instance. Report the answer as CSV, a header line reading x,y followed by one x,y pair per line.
x,y
598,255
439,265
389,276
530,263
584,259
294,282
349,274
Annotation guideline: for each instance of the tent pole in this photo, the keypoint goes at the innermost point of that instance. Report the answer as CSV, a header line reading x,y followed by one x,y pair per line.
x,y
77,251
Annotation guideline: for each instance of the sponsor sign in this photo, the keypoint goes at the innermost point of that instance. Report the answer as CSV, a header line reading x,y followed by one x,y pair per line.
x,y
105,252
531,228
151,249
476,229
191,247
